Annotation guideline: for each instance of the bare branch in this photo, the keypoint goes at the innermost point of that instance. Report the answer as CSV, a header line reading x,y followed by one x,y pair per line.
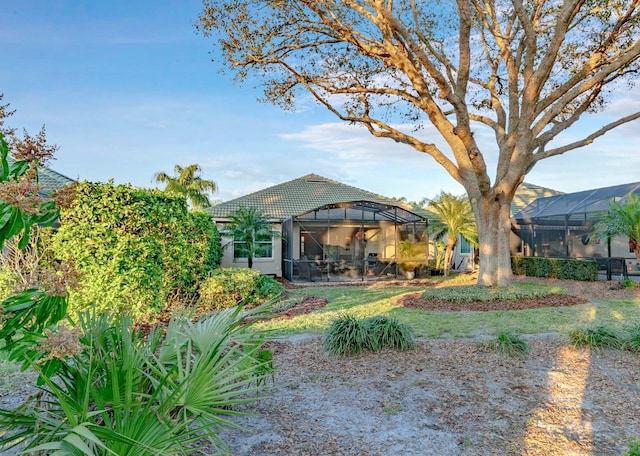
x,y
586,141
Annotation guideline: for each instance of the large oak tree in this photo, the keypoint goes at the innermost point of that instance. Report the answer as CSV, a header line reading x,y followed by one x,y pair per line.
x,y
525,69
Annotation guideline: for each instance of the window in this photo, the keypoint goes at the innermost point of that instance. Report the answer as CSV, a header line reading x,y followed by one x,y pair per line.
x,y
264,248
465,246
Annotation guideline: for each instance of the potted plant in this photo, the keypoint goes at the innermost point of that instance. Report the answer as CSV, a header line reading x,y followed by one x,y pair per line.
x,y
411,255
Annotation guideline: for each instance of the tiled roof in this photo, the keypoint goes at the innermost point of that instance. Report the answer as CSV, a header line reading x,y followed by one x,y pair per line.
x,y
49,180
527,194
312,191
299,196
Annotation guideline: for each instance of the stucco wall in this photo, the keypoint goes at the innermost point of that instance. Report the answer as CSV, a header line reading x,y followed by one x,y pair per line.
x,y
263,265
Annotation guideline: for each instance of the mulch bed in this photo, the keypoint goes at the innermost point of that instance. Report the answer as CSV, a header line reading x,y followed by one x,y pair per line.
x,y
308,305
416,301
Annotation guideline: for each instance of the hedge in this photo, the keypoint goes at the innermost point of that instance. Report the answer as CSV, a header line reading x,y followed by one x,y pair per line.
x,y
134,247
556,268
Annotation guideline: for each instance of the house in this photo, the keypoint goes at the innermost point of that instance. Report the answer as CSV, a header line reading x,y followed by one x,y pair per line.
x,y
561,225
48,180
327,227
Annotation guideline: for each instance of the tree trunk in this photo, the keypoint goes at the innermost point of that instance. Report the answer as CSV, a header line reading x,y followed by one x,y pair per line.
x,y
250,261
448,257
634,245
493,219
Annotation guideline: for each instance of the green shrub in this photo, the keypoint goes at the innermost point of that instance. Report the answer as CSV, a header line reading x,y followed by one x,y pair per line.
x,y
509,343
134,247
385,332
557,268
471,293
268,288
628,283
346,336
601,336
228,287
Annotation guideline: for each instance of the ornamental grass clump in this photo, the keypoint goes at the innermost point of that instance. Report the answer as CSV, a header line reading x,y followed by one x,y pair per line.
x,y
634,448
385,332
634,338
509,343
599,337
349,336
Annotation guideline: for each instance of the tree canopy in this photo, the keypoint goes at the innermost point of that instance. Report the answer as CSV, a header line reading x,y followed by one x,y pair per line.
x,y
525,70
449,217
188,183
622,218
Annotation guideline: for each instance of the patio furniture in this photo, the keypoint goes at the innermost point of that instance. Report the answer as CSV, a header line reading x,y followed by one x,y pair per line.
x,y
308,269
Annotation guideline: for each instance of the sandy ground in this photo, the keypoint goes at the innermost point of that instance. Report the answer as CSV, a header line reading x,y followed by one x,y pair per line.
x,y
450,397
445,398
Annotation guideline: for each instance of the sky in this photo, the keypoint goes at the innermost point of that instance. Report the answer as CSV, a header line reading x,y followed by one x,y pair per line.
x,y
126,88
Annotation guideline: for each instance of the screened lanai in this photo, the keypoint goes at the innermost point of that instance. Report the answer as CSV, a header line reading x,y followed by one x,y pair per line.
x,y
349,240
561,225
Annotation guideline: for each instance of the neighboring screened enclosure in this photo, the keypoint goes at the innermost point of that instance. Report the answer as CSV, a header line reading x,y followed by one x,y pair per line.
x,y
561,225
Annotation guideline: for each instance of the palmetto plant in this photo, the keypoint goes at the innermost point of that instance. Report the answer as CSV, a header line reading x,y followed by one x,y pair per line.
x,y
130,394
451,216
188,183
622,218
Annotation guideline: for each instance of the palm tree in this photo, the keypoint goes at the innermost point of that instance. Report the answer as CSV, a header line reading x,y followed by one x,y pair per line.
x,y
451,216
251,228
188,183
623,218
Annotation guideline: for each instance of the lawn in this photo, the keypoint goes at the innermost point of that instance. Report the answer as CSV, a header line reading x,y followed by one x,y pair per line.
x,y
368,301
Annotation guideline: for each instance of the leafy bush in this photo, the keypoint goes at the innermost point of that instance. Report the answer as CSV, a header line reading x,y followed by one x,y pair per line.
x,y
228,287
471,293
509,343
134,247
268,288
346,336
557,268
628,283
385,332
601,336
119,392
349,336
